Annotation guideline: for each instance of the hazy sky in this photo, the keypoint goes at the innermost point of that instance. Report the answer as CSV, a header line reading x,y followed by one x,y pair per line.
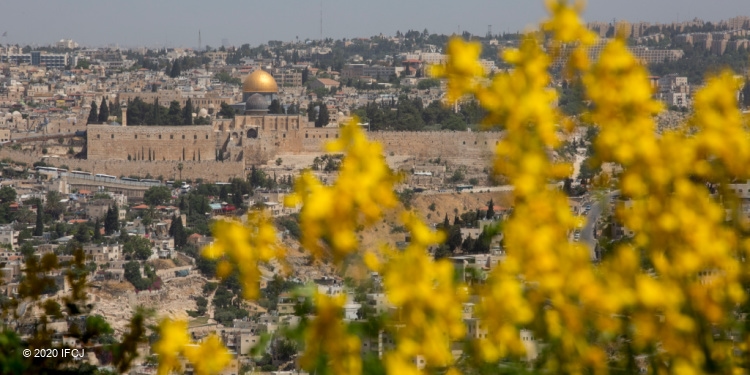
x,y
176,22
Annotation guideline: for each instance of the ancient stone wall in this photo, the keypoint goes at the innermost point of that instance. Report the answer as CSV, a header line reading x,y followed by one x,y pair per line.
x,y
448,144
214,171
196,143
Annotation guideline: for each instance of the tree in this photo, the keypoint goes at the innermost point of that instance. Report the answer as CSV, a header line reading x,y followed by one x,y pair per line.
x,y
275,107
157,195
82,233
226,111
54,206
746,94
176,70
177,230
111,221
323,117
93,116
7,194
103,112
97,231
175,116
137,247
187,113
490,210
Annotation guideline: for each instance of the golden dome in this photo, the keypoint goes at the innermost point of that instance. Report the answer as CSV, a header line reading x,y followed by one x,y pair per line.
x,y
260,81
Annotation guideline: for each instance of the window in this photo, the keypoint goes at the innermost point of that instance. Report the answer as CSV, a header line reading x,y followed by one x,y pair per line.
x,y
305,135
183,136
464,142
159,136
195,136
171,136
206,136
98,136
113,136
136,136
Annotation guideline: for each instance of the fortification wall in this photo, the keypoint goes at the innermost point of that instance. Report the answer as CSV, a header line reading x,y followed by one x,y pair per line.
x,y
214,171
196,143
448,144
451,144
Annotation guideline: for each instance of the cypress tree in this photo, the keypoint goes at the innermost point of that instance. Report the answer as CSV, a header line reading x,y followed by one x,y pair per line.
x,y
157,112
323,116
187,113
491,210
111,222
175,72
39,229
103,112
97,231
93,114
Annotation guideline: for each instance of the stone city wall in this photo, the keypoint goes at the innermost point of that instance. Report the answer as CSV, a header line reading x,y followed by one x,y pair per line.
x,y
214,171
196,143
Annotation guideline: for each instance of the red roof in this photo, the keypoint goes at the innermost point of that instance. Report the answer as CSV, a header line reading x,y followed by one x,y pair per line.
x,y
141,207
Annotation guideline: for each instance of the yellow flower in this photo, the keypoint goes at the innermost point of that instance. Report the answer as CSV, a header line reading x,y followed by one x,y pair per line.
x,y
327,335
245,246
331,215
210,357
173,338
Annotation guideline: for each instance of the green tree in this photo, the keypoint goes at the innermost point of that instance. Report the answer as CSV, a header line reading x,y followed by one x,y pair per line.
x,y
226,111
97,237
275,107
157,195
174,114
137,247
93,116
176,70
490,210
177,230
323,116
746,94
187,113
54,207
103,112
7,194
82,233
111,222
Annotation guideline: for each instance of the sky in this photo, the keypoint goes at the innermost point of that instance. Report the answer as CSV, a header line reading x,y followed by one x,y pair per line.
x,y
175,23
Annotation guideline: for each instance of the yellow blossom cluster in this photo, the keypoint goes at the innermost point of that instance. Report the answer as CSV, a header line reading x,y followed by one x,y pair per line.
x,y
331,215
696,282
208,357
428,301
327,337
245,246
548,285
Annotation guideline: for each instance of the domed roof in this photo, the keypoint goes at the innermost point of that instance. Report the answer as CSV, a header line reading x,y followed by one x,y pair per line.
x,y
256,102
203,112
260,81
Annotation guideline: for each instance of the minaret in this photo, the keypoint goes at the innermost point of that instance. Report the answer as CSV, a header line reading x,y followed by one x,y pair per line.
x,y
124,107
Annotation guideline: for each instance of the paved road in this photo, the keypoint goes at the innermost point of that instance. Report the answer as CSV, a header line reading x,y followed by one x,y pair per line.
x,y
587,232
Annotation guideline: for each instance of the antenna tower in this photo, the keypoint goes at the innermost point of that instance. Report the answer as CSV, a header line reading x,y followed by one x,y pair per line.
x,y
321,21
199,40
489,31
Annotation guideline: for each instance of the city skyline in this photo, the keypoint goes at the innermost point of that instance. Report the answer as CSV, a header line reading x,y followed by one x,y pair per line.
x,y
174,23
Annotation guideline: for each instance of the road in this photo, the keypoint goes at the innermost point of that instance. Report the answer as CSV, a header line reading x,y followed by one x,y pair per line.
x,y
587,232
